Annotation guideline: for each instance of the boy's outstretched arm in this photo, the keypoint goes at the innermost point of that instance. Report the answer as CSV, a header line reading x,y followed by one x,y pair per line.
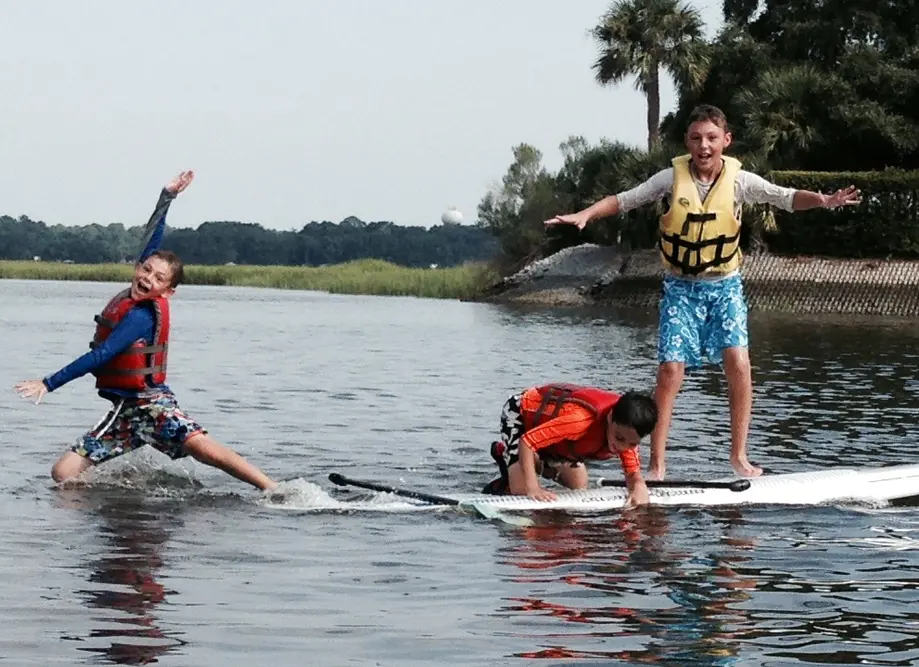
x,y
156,225
137,324
649,191
606,207
805,199
758,190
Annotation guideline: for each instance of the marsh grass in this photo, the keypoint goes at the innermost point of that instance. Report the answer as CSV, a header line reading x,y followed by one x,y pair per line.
x,y
365,276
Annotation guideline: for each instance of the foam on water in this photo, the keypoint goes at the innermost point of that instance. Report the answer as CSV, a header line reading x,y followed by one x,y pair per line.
x,y
303,496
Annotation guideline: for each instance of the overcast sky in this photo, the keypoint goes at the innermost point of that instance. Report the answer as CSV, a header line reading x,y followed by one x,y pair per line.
x,y
293,110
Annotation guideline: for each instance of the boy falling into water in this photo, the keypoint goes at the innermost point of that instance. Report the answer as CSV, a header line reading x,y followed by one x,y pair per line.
x,y
128,358
703,313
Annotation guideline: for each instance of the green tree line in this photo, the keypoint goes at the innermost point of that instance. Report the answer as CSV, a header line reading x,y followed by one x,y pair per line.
x,y
807,85
212,243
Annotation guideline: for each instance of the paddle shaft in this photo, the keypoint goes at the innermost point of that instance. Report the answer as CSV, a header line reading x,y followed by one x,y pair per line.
x,y
736,485
341,480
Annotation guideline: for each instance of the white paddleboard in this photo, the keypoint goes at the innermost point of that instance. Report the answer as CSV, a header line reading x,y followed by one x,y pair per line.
x,y
833,486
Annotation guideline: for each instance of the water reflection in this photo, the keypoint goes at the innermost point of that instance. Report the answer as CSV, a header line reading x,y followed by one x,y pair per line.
x,y
621,580
125,592
705,591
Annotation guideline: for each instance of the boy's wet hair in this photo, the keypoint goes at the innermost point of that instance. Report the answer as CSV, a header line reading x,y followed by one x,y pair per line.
x,y
707,112
636,410
175,265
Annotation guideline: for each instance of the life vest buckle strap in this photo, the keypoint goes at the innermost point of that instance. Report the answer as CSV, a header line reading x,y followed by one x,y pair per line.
x,y
149,349
555,395
696,218
679,242
700,217
126,372
558,397
696,267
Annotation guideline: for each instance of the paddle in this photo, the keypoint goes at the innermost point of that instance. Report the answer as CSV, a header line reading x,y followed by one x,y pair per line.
x,y
484,510
736,485
341,480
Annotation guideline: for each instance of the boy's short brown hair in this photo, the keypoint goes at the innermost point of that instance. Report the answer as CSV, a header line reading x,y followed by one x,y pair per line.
x,y
175,264
710,113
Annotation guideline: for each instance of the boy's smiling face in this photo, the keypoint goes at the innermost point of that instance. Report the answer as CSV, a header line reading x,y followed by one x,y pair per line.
x,y
152,279
621,438
706,141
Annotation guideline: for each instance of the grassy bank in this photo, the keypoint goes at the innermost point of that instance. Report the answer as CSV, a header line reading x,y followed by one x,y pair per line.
x,y
366,276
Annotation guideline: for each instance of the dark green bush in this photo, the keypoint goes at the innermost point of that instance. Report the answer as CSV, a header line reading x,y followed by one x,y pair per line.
x,y
885,224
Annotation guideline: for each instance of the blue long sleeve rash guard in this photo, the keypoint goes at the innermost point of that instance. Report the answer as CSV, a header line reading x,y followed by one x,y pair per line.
x,y
138,324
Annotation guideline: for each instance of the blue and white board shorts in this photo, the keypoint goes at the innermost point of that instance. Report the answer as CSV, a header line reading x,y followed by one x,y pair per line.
x,y
701,318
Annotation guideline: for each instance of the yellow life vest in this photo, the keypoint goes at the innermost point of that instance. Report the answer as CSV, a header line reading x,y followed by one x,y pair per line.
x,y
701,237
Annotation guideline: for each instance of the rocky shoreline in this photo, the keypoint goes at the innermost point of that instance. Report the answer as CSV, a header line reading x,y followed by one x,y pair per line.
x,y
589,274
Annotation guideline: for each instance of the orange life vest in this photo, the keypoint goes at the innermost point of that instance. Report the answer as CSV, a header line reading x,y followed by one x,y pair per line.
x,y
593,444
140,366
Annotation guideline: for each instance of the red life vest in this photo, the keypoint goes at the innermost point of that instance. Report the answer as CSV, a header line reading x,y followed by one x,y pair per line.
x,y
134,367
593,444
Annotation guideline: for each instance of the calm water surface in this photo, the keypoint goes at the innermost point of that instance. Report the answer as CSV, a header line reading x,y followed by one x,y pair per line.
x,y
176,564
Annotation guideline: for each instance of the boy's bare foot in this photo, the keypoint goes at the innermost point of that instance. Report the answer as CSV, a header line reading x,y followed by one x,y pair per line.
x,y
744,468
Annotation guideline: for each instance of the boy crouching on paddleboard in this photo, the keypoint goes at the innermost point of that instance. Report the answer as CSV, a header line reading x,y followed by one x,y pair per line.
x,y
553,429
128,358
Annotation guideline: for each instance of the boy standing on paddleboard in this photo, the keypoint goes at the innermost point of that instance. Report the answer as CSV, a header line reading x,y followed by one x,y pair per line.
x,y
128,358
703,312
553,429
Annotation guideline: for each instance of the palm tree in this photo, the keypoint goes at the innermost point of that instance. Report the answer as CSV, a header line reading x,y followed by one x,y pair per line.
x,y
638,37
781,113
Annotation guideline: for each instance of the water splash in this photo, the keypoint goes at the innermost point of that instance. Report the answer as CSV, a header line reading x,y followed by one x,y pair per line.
x,y
303,496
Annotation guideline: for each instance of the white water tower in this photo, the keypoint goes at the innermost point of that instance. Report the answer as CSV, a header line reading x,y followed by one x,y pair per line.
x,y
452,217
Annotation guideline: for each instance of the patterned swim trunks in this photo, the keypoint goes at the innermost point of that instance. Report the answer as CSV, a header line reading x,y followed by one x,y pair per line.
x,y
512,429
134,422
700,319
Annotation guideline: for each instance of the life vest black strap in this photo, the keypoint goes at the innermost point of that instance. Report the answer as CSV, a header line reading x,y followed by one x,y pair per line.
x,y
148,349
696,219
701,217
150,370
677,243
555,395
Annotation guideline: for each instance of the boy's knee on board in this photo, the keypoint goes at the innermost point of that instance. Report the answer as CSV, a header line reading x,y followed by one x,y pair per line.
x,y
574,477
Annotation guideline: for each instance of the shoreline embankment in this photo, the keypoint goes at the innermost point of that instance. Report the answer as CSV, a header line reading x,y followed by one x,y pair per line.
x,y
588,274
